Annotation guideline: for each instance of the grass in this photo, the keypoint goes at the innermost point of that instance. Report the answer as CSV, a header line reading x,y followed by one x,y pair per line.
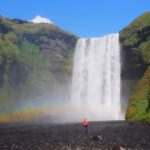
x,y
138,102
20,46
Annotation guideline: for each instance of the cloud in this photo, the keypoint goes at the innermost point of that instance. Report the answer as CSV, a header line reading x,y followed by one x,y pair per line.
x,y
39,19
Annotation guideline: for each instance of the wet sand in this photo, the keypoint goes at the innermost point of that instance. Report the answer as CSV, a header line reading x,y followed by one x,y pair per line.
x,y
132,136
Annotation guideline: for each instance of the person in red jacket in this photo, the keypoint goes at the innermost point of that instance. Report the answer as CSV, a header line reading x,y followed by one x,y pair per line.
x,y
85,124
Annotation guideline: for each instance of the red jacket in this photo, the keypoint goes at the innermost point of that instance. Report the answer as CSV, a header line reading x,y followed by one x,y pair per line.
x,y
85,123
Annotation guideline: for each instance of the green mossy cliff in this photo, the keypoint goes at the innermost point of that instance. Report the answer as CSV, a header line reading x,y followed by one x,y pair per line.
x,y
34,59
135,42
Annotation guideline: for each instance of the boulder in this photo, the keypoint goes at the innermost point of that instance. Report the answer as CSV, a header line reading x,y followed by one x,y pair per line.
x,y
116,147
97,137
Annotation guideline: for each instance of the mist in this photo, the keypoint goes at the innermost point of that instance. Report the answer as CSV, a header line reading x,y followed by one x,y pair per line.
x,y
94,90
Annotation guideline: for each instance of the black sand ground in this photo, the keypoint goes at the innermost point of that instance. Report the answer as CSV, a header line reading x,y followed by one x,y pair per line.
x,y
135,136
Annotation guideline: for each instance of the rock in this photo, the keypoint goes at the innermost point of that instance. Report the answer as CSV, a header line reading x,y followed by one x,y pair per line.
x,y
122,148
68,148
78,148
97,137
116,147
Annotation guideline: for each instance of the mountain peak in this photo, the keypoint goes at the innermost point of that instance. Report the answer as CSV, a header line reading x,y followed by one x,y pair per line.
x,y
39,19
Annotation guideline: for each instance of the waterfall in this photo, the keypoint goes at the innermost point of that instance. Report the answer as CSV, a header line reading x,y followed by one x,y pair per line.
x,y
96,78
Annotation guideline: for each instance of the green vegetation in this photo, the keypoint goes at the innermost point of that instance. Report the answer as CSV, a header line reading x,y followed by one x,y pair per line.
x,y
135,40
144,48
32,57
136,36
138,105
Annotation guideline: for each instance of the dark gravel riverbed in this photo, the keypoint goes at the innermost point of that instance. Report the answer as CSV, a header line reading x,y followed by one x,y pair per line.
x,y
101,135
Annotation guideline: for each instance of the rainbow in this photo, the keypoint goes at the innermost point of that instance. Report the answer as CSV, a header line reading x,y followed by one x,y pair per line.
x,y
32,112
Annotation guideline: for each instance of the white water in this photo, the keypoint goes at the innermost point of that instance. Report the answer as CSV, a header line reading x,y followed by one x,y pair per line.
x,y
96,78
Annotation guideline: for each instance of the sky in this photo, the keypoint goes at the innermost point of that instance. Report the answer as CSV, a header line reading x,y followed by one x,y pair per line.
x,y
85,18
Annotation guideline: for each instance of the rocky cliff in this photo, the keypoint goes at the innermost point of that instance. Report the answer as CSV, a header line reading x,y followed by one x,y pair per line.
x,y
135,43
35,59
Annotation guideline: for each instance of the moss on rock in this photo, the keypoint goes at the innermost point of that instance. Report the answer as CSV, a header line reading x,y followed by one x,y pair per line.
x,y
32,58
138,101
135,43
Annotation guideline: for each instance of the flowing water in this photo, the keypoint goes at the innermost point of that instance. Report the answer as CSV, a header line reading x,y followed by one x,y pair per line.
x,y
96,83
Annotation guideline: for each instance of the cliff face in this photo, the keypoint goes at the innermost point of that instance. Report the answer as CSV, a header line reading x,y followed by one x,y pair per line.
x,y
135,42
34,59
